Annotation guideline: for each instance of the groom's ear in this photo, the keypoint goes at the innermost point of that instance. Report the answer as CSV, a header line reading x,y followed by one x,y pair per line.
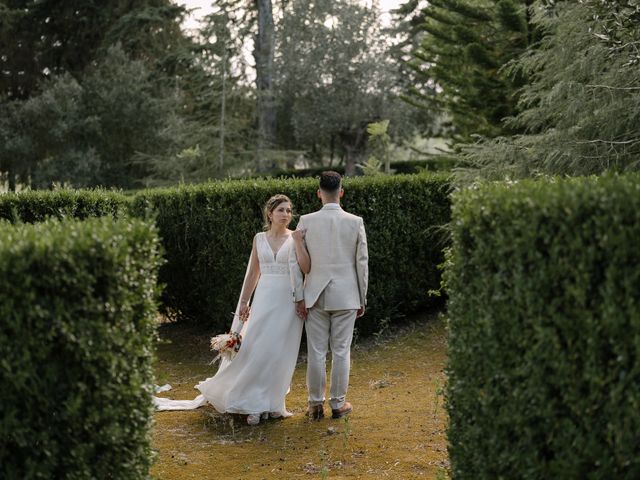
x,y
318,194
341,192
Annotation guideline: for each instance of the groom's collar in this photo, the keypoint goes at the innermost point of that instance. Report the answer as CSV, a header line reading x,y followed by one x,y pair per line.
x,y
331,206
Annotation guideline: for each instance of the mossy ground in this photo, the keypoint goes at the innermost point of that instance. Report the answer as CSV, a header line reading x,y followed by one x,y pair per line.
x,y
397,429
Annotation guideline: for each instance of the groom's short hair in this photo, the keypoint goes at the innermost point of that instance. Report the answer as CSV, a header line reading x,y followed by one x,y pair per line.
x,y
330,181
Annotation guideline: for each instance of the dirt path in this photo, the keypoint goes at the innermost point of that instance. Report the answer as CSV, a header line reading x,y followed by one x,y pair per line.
x,y
396,430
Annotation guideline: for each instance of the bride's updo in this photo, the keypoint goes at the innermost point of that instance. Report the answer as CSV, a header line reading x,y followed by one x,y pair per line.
x,y
271,205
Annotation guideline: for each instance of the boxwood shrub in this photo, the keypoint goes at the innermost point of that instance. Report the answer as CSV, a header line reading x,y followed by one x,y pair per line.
x,y
77,302
544,308
207,232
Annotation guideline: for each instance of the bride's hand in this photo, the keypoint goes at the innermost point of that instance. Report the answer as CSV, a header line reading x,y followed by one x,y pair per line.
x,y
298,235
301,310
244,312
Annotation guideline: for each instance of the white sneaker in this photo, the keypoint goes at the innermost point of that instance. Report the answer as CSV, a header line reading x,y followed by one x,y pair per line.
x,y
275,414
253,419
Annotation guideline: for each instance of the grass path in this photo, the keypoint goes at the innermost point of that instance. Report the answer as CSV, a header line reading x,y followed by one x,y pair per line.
x,y
397,429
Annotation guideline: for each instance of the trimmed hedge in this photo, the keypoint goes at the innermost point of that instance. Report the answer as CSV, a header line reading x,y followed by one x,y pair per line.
x,y
36,206
207,232
544,350
77,302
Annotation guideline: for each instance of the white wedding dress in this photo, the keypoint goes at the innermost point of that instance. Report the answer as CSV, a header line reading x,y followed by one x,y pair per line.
x,y
257,380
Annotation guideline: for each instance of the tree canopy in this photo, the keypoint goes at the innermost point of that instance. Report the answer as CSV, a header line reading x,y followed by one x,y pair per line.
x,y
579,112
118,95
336,76
459,49
130,100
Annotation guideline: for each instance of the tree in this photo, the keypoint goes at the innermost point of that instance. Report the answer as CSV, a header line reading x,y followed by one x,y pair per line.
x,y
457,67
50,37
379,139
406,35
579,112
264,54
334,78
49,44
253,20
214,129
87,132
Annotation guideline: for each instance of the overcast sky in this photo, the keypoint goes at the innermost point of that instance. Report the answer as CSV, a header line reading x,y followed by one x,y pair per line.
x,y
204,7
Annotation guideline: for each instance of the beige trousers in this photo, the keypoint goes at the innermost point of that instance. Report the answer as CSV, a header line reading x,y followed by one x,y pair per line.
x,y
326,329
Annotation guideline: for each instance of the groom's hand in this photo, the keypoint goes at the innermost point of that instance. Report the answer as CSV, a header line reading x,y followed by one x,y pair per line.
x,y
301,310
360,311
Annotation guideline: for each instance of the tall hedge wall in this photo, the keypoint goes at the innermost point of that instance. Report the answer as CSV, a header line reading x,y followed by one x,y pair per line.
x,y
36,206
77,302
544,305
207,232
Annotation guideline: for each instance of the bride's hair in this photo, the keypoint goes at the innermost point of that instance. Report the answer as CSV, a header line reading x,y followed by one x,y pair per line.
x,y
271,205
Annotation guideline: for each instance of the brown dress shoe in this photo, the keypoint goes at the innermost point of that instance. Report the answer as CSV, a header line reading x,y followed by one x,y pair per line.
x,y
315,412
342,411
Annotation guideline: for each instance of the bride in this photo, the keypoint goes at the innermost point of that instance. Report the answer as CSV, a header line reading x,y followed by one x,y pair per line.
x,y
256,381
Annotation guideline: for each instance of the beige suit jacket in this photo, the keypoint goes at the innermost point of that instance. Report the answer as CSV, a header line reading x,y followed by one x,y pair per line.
x,y
337,245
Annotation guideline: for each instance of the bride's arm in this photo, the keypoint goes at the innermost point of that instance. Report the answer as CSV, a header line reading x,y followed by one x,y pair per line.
x,y
303,257
302,253
250,282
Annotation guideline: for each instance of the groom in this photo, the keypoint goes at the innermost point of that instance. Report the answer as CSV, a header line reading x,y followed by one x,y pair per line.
x,y
334,293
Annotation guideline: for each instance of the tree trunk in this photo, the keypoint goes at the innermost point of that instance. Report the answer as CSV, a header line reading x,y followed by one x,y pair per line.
x,y
333,149
222,109
350,161
12,181
354,156
263,54
353,143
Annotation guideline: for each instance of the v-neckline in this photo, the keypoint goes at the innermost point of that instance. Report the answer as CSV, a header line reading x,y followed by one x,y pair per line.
x,y
275,254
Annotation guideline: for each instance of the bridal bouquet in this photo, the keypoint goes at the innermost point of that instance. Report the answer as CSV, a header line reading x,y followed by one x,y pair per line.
x,y
226,344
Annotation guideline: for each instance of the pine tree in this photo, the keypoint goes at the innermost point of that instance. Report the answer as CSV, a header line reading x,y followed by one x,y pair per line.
x,y
87,132
463,48
216,124
405,36
579,113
